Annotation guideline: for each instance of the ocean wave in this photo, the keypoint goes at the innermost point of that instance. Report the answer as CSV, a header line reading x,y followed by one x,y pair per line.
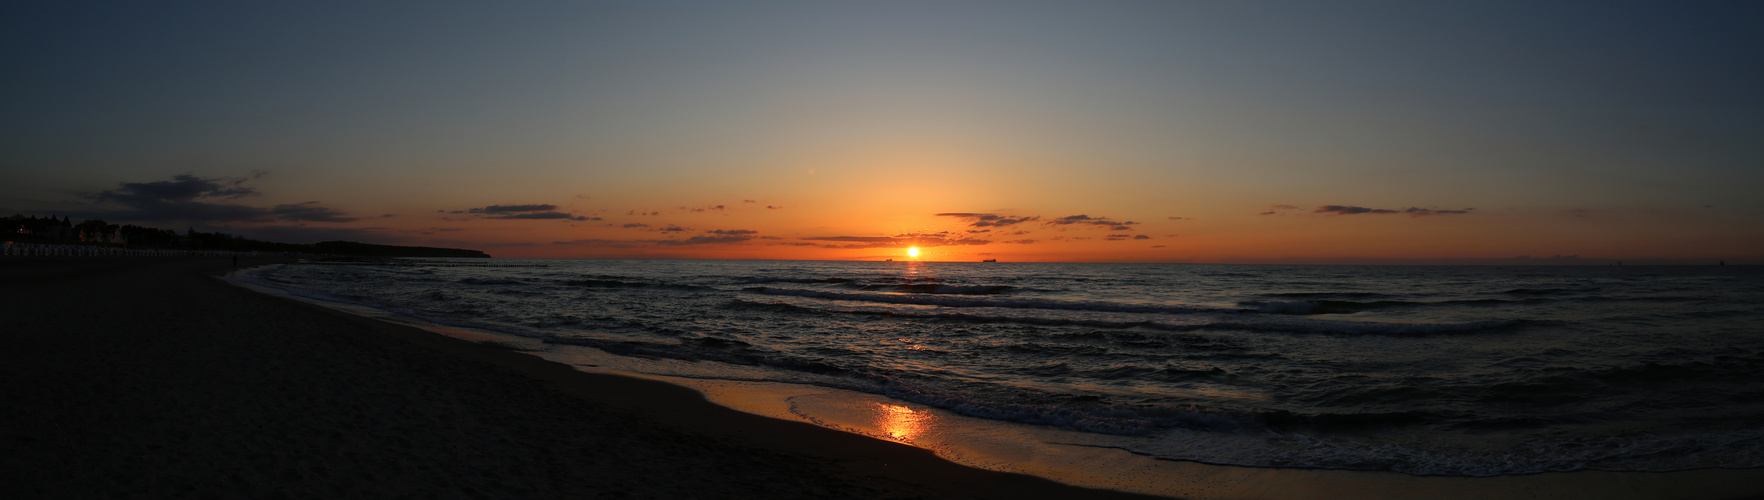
x,y
967,301
795,280
1303,307
1648,452
616,283
481,281
1544,291
936,289
1263,325
1651,452
596,283
1116,419
1344,295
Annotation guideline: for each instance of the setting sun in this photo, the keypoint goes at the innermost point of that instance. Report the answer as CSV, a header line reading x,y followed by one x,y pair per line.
x,y
913,252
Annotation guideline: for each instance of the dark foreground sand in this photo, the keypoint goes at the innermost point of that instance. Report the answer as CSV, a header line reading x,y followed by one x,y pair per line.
x,y
146,377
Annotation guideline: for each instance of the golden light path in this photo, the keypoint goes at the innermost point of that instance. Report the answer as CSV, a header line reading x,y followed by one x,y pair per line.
x,y
900,422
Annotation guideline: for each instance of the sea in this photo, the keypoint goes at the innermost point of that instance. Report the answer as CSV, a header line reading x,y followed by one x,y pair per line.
x,y
1421,370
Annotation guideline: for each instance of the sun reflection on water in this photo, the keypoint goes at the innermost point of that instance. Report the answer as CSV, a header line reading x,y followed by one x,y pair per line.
x,y
902,423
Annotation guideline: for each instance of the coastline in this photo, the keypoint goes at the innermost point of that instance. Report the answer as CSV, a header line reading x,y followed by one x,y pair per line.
x,y
168,382
149,377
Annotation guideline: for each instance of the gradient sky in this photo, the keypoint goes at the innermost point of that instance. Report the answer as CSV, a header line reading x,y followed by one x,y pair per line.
x,y
1024,131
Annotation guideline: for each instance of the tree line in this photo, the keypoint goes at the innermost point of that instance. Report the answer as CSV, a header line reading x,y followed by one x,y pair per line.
x,y
33,229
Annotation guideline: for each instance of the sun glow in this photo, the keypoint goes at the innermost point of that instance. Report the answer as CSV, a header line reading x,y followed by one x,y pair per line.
x,y
913,252
902,423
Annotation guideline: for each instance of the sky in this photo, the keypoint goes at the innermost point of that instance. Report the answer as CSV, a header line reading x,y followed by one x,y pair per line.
x,y
1089,131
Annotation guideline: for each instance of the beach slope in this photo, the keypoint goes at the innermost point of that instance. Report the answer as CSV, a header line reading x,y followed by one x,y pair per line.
x,y
150,377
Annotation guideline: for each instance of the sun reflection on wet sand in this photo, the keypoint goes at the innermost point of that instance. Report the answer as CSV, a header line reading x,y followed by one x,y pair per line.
x,y
902,423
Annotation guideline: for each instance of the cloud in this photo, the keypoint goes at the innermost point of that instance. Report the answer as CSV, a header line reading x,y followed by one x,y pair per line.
x,y
706,240
315,234
990,220
1113,225
864,239
1348,210
1418,212
190,198
186,187
1277,209
502,209
1412,211
596,242
544,216
1019,242
1141,237
733,232
631,225
1180,218
309,212
938,239
526,211
672,228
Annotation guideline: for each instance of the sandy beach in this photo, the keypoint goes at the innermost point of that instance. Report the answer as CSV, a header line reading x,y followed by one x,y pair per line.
x,y
150,377
147,377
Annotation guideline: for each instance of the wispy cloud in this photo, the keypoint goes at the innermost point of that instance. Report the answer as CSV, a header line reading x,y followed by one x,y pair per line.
x,y
1086,220
1278,209
1412,211
596,242
1418,212
1350,210
310,212
525,211
190,198
938,239
707,240
503,209
990,220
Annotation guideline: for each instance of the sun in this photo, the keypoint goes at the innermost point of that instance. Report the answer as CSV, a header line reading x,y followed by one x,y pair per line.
x,y
913,252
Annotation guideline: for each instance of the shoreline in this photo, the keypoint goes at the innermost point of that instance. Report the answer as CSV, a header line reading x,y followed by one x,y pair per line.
x,y
802,459
150,377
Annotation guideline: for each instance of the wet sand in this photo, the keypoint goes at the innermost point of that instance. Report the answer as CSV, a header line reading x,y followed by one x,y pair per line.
x,y
148,377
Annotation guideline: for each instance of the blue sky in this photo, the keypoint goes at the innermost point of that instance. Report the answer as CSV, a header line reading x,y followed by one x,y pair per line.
x,y
1611,129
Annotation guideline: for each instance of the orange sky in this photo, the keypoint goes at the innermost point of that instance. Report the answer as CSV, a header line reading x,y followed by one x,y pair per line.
x,y
1183,132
